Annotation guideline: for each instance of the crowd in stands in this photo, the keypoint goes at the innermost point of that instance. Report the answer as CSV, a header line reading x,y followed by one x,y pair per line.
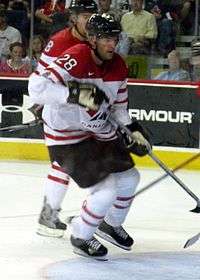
x,y
150,28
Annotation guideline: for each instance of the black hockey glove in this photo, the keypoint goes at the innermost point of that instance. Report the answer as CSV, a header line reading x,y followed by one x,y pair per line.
x,y
139,144
86,95
36,110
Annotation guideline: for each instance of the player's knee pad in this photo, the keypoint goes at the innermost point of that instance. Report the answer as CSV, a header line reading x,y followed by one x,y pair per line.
x,y
104,192
127,181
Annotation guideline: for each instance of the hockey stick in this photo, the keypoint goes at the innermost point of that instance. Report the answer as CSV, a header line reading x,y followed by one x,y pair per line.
x,y
36,110
178,167
20,126
162,165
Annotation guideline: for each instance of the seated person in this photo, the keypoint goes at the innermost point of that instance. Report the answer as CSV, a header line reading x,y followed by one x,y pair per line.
x,y
37,46
16,64
175,72
8,35
105,8
51,17
141,27
166,39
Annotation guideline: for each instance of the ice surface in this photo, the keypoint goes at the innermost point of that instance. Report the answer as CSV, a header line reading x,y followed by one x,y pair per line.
x,y
159,221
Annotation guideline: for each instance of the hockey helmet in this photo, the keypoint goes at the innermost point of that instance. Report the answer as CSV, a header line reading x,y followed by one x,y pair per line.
x,y
103,26
81,6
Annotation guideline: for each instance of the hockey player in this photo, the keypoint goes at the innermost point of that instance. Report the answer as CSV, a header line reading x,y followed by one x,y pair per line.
x,y
80,11
79,91
57,182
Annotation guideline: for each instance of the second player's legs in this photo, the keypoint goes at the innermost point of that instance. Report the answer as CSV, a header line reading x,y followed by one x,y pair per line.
x,y
55,188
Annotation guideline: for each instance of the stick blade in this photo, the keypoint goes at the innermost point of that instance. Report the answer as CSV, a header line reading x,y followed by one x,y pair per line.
x,y
192,240
196,210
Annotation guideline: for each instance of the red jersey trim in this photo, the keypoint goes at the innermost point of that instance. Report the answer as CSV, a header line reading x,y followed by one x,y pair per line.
x,y
43,63
58,180
122,101
122,90
57,75
61,138
55,167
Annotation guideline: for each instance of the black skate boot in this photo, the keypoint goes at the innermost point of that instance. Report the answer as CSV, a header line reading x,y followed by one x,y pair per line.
x,y
89,248
115,235
49,223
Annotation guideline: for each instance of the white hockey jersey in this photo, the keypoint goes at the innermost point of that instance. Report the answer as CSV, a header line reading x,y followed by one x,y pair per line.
x,y
70,123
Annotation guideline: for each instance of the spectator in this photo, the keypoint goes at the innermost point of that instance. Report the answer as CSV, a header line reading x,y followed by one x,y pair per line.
x,y
16,64
3,4
18,14
175,72
140,26
124,6
166,39
8,35
187,14
20,5
52,17
105,8
170,10
38,44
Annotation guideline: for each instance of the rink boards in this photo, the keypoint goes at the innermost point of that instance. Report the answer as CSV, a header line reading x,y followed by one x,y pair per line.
x,y
168,111
36,150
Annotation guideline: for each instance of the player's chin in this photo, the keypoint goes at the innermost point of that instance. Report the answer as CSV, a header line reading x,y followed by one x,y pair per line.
x,y
109,55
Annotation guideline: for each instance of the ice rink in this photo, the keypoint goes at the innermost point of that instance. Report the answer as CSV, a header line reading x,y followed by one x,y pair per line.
x,y
159,221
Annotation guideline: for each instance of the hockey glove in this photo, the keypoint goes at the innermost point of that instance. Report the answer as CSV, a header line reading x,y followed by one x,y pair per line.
x,y
139,142
86,95
36,110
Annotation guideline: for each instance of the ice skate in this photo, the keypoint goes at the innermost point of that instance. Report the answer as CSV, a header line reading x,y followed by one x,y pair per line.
x,y
89,248
49,223
115,235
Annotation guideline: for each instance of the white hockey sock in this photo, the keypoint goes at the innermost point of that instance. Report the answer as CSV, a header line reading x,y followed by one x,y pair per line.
x,y
101,197
56,186
126,183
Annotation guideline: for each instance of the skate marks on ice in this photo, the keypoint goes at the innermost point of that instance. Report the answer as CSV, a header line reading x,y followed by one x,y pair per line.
x,y
134,266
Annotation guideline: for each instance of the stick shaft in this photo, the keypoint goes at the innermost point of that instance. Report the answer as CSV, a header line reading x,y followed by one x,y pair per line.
x,y
178,167
19,126
161,164
171,174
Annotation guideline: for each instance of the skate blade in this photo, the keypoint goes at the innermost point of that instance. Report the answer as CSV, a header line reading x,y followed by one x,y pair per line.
x,y
83,254
50,232
109,239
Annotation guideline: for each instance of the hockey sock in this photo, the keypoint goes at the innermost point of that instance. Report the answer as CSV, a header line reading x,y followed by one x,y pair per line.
x,y
101,197
126,183
56,186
